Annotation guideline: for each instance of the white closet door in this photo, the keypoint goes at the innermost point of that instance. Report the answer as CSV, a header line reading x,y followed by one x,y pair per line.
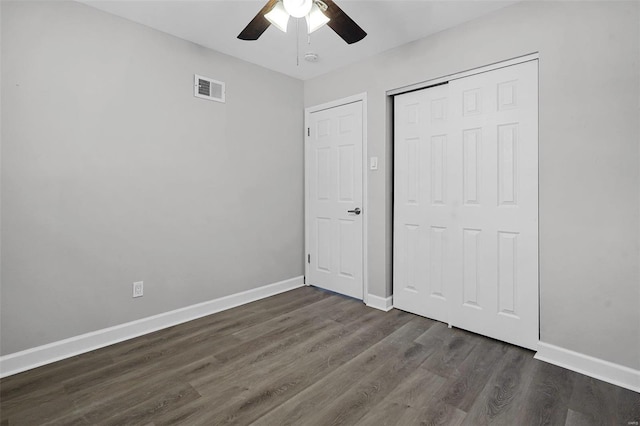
x,y
422,210
495,272
466,203
334,199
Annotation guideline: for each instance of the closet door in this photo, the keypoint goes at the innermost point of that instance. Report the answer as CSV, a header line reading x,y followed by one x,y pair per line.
x,y
422,203
466,203
495,274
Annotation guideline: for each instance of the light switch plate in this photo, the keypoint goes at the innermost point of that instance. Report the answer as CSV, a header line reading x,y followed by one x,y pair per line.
x,y
373,163
138,289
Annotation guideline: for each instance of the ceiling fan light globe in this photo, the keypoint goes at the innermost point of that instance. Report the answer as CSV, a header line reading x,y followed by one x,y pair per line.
x,y
278,16
298,8
316,19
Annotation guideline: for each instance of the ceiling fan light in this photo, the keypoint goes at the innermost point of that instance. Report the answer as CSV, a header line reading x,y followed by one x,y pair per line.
x,y
278,16
298,8
316,19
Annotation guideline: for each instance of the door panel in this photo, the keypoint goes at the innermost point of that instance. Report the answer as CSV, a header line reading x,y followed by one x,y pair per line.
x,y
499,266
466,203
421,220
334,186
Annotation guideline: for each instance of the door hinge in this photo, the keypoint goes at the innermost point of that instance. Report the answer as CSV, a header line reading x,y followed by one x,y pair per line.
x,y
308,131
308,258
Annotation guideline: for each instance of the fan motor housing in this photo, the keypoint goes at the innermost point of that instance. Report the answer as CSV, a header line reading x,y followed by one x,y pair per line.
x,y
311,57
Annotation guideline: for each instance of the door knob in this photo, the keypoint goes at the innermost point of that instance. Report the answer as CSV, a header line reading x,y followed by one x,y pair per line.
x,y
357,211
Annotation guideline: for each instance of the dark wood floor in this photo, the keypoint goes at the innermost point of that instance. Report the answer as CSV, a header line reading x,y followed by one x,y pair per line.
x,y
308,357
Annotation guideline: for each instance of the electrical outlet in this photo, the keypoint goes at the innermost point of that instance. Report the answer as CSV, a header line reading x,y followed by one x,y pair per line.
x,y
138,289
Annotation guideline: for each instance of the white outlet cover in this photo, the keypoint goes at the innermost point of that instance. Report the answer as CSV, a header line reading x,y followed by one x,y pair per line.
x,y
138,289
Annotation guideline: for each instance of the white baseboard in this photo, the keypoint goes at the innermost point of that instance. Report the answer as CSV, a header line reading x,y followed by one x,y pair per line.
x,y
382,303
600,369
56,351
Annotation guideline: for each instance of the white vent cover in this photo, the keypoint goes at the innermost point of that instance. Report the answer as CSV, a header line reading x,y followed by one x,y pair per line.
x,y
208,88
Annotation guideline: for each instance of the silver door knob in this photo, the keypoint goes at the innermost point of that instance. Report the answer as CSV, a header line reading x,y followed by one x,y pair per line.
x,y
357,211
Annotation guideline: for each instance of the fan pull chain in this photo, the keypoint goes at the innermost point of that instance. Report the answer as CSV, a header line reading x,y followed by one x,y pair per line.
x,y
297,42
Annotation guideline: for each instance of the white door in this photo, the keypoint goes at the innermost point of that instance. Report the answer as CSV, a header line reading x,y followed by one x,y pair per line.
x,y
334,211
422,214
487,225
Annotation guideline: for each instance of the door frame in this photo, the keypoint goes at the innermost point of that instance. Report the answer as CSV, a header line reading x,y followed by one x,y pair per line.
x,y
360,97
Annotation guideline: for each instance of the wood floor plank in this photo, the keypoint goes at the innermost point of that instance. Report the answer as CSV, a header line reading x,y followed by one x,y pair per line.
x,y
223,379
310,357
273,389
595,400
41,408
499,402
96,406
322,309
451,353
462,389
576,418
628,407
263,380
143,367
435,335
404,404
295,410
71,420
351,313
145,406
258,364
39,380
158,403
548,396
436,413
371,389
281,327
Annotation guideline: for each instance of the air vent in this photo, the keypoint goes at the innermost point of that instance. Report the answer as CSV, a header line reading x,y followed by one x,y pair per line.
x,y
208,88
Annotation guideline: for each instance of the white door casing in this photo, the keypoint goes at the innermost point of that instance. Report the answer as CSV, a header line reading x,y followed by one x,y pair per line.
x,y
334,186
480,232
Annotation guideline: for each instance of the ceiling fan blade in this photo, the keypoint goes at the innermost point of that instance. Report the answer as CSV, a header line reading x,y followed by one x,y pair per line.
x,y
344,26
258,24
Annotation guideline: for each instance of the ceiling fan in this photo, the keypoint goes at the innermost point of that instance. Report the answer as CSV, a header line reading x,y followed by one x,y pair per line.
x,y
316,12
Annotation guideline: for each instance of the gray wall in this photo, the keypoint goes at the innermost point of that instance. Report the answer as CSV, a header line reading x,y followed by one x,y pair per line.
x,y
589,163
112,172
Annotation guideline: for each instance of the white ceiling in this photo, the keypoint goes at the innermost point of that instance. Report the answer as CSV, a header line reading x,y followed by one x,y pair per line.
x,y
215,24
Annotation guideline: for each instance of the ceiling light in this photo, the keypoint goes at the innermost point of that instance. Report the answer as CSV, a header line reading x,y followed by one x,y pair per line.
x,y
278,16
316,19
298,8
